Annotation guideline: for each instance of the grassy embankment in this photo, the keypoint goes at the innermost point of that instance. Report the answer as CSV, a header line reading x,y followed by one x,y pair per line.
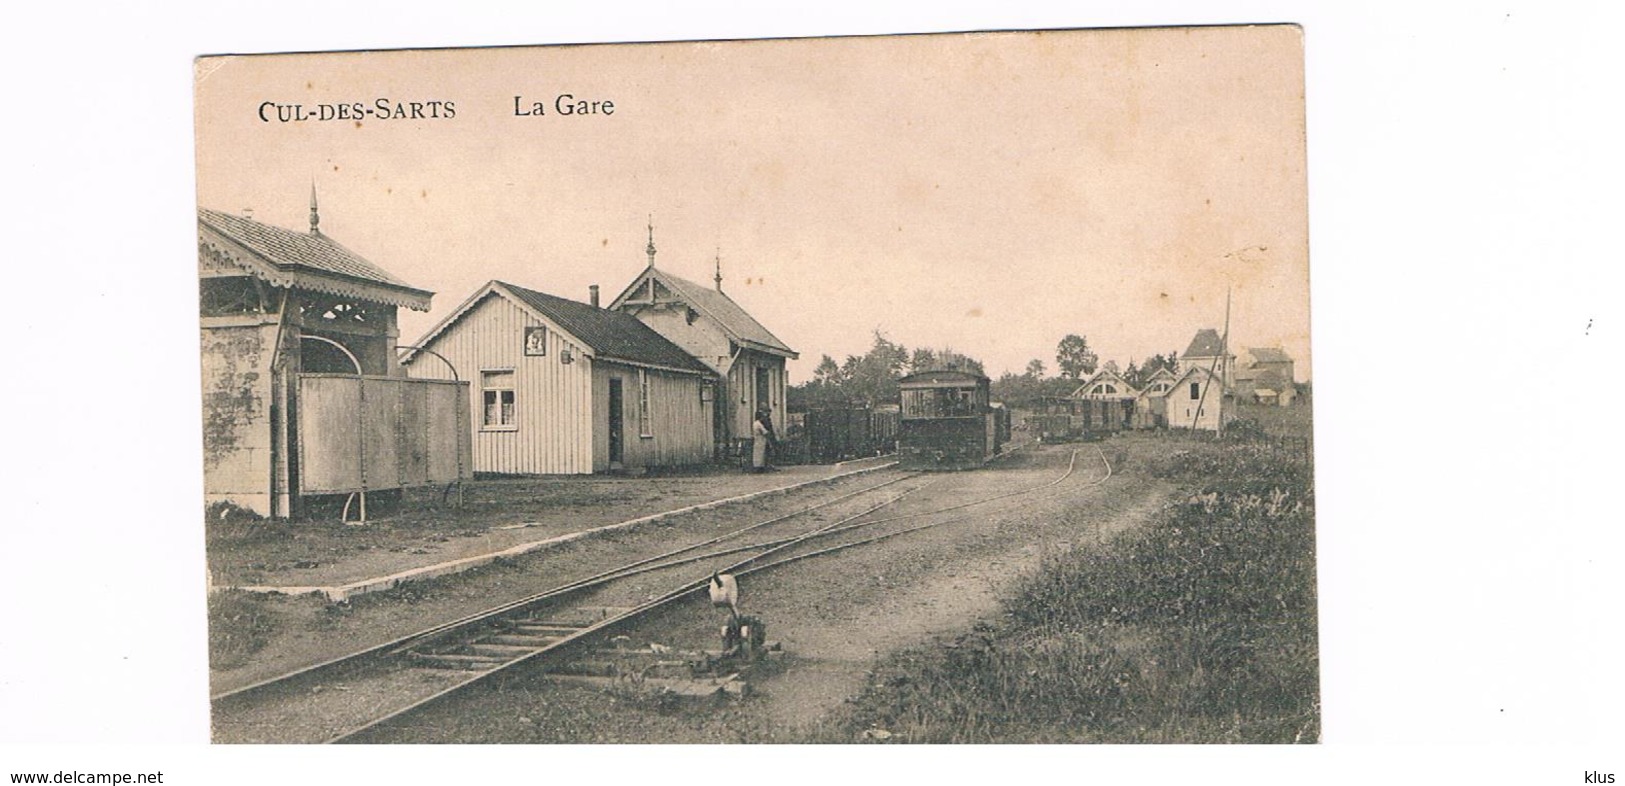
x,y
1198,628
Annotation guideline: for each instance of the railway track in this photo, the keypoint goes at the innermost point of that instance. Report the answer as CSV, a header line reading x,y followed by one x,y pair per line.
x,y
432,665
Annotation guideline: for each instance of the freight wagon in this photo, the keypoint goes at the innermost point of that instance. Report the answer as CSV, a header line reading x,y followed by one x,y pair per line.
x,y
1066,418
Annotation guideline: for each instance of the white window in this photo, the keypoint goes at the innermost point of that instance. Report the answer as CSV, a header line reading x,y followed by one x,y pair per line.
x,y
497,393
644,428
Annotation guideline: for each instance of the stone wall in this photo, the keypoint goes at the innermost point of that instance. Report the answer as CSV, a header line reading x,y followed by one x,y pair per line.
x,y
237,415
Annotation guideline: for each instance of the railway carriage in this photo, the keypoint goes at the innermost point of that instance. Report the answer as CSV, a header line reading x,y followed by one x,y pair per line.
x,y
839,433
947,421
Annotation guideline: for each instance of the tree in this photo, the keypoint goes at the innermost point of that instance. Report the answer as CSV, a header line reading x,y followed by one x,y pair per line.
x,y
1035,369
1110,365
873,377
1074,357
948,357
1133,375
1169,361
827,372
923,360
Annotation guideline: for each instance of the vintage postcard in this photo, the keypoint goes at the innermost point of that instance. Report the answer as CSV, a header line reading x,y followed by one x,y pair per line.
x,y
946,388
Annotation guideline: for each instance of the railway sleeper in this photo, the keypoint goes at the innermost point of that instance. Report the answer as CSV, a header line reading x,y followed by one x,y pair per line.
x,y
497,650
544,629
454,661
532,642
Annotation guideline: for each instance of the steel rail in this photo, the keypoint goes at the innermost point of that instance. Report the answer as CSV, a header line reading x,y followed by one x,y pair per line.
x,y
393,646
614,574
584,633
905,531
742,567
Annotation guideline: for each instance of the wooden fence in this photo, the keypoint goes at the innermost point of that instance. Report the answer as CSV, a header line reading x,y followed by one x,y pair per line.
x,y
364,433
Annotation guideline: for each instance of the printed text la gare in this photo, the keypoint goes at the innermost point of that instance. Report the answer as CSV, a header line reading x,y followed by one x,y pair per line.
x,y
566,104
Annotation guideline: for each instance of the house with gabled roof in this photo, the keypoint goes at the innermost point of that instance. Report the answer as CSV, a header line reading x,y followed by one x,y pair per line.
x,y
1265,375
302,394
747,358
565,387
1198,400
1106,384
1151,402
1207,350
1106,401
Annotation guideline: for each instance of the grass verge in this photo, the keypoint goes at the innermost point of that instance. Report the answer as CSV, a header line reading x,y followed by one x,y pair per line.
x,y
1199,628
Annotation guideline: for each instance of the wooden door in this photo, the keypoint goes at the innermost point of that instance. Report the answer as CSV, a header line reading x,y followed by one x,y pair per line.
x,y
617,425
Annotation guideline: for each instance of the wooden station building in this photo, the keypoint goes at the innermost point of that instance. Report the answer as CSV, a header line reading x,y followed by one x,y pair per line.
x,y
564,387
747,359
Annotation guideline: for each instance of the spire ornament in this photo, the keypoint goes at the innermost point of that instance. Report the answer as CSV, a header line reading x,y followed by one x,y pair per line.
x,y
650,250
315,218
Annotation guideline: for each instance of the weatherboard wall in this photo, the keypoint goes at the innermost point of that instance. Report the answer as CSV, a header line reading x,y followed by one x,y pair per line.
x,y
678,423
552,432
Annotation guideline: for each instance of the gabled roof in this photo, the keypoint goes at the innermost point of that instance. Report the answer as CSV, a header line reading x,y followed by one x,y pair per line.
x,y
608,334
1196,371
1105,375
1269,355
1205,344
1160,373
311,260
739,325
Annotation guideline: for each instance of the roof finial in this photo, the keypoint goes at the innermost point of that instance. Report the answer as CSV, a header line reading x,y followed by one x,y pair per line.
x,y
651,248
719,269
315,219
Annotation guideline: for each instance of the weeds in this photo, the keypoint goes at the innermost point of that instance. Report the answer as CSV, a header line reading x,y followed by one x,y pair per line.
x,y
240,624
1199,628
227,512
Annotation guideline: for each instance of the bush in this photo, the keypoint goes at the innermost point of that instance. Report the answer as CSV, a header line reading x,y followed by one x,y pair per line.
x,y
227,512
1199,628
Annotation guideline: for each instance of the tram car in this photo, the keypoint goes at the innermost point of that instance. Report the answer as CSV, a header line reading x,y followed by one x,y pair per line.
x,y
947,421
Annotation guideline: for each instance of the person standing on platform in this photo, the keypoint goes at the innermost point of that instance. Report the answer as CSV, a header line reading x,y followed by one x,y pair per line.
x,y
762,431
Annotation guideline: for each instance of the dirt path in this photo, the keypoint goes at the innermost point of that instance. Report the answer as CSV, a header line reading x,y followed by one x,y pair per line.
x,y
833,656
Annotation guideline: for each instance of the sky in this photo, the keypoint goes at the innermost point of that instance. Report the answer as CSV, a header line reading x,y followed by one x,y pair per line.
x,y
989,193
